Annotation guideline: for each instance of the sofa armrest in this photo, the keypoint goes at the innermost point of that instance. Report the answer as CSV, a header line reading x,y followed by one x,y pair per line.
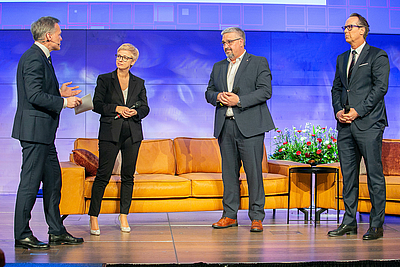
x,y
73,182
300,189
283,166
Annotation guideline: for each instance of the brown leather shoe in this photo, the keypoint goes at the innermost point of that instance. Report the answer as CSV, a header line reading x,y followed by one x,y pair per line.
x,y
225,222
256,226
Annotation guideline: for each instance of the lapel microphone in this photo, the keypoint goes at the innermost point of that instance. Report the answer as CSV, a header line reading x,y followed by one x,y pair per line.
x,y
136,105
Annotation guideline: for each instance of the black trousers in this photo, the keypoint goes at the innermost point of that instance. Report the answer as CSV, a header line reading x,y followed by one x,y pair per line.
x,y
39,165
236,148
108,152
352,144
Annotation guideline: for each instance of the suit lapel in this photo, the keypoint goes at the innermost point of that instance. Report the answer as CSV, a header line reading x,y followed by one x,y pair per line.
x,y
360,59
49,66
344,67
132,90
224,72
116,87
245,61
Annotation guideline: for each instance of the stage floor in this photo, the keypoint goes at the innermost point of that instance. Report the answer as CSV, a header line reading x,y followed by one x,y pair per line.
x,y
187,237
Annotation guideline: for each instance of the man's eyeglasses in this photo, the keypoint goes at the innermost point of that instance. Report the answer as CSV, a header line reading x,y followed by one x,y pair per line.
x,y
124,58
229,42
350,27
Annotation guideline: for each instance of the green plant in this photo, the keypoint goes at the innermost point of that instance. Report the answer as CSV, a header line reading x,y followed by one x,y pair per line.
x,y
312,145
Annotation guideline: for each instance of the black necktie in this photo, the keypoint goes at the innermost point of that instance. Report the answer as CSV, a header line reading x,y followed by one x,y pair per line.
x,y
353,61
49,58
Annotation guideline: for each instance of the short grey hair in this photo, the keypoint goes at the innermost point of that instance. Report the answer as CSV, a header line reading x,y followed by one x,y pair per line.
x,y
131,48
237,30
42,26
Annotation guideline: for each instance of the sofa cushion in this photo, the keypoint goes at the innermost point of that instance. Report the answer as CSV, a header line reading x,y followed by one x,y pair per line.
x,y
391,157
274,184
91,144
156,156
197,155
392,188
147,186
86,159
202,155
205,184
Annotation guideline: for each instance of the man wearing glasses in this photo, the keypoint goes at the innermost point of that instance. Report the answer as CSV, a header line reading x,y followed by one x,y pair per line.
x,y
359,87
239,87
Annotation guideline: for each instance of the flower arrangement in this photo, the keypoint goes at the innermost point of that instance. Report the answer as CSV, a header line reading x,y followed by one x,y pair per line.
x,y
313,145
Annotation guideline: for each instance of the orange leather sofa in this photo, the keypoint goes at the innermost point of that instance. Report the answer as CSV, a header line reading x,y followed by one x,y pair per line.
x,y
178,175
327,192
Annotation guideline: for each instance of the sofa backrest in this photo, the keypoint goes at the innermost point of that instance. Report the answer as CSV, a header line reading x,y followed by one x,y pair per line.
x,y
91,144
156,156
201,155
391,157
197,155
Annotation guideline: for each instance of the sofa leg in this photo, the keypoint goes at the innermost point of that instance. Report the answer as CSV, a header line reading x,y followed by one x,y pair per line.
x,y
63,217
305,212
318,214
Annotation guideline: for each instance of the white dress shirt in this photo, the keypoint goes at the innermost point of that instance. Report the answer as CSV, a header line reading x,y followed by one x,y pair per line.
x,y
230,78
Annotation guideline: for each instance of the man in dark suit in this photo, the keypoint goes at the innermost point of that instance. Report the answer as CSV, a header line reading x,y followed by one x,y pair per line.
x,y
239,87
359,87
40,102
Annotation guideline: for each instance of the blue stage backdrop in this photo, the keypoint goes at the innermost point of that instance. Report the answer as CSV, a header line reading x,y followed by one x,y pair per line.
x,y
176,67
257,15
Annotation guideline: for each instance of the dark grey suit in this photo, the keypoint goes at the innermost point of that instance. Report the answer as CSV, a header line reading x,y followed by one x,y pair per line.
x,y
363,137
35,125
242,139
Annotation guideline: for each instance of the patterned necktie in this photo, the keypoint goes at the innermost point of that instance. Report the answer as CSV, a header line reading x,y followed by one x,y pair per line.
x,y
353,61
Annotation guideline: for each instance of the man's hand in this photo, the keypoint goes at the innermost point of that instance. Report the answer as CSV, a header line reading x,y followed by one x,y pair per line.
x,y
125,111
73,101
66,91
228,99
347,118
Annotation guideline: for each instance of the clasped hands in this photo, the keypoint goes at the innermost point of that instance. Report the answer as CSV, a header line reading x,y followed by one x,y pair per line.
x,y
70,93
125,111
347,117
228,99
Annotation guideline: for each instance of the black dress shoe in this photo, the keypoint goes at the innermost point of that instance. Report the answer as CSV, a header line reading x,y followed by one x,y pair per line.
x,y
373,233
30,242
64,239
343,229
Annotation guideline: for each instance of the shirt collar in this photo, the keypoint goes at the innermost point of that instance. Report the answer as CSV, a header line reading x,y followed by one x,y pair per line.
x,y
359,49
239,59
43,48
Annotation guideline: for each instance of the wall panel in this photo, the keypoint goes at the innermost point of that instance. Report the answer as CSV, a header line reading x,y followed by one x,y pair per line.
x,y
176,66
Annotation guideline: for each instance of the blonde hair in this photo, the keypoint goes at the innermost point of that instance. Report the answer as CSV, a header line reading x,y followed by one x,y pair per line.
x,y
129,47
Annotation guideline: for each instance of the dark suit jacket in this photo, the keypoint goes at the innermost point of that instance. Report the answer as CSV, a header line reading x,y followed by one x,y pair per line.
x,y
39,100
366,89
108,95
253,79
